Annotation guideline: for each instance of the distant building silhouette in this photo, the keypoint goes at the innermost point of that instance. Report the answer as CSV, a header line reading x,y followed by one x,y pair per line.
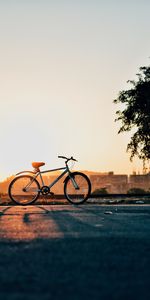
x,y
140,181
113,183
120,183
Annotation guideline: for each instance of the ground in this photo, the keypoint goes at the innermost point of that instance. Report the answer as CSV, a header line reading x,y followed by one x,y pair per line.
x,y
74,252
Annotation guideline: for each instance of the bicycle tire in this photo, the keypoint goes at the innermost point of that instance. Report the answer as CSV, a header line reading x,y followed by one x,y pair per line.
x,y
77,195
18,193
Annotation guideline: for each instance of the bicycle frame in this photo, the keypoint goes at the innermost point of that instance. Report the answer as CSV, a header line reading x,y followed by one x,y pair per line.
x,y
66,170
39,174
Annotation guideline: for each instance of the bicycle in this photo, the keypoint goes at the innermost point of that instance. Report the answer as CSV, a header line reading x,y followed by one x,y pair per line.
x,y
25,189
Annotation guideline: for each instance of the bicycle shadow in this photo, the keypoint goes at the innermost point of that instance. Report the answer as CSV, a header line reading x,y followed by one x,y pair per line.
x,y
20,223
4,210
26,217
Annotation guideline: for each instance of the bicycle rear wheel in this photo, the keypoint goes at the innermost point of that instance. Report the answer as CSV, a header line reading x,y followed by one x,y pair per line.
x,y
77,188
24,189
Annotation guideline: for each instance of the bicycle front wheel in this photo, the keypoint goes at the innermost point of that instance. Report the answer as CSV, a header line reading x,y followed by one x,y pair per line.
x,y
24,189
77,188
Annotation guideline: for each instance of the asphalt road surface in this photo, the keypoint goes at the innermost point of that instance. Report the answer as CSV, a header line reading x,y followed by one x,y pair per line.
x,y
68,252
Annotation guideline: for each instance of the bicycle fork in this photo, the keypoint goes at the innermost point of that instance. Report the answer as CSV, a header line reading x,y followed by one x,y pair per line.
x,y
74,182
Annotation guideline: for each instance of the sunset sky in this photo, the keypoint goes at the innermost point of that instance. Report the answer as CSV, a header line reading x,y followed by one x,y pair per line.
x,y
62,62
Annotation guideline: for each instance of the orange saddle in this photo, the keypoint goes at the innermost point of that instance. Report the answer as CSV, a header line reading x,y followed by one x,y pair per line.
x,y
36,164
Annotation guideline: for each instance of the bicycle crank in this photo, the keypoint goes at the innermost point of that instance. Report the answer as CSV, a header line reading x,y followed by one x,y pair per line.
x,y
45,190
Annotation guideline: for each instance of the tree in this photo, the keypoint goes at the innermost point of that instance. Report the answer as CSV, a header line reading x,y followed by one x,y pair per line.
x,y
136,115
100,191
136,191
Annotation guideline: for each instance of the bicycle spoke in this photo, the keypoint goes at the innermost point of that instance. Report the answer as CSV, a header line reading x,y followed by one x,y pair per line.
x,y
77,188
24,190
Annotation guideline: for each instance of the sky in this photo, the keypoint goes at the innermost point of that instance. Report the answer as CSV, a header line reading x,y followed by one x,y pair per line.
x,y
62,63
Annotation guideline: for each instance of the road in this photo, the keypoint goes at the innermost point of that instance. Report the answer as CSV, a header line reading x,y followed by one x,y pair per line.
x,y
67,252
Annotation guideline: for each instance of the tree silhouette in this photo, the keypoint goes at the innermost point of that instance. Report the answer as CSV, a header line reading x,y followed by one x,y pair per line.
x,y
136,115
102,190
137,191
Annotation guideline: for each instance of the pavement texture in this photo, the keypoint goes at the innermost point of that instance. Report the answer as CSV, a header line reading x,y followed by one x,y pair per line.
x,y
74,252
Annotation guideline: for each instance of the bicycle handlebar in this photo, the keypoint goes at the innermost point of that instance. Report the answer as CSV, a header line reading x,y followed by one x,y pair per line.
x,y
67,159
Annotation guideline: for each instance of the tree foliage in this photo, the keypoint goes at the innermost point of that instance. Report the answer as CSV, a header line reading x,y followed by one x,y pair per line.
x,y
136,191
136,114
102,190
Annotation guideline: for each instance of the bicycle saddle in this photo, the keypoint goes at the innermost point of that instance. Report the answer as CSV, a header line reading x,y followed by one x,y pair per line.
x,y
36,165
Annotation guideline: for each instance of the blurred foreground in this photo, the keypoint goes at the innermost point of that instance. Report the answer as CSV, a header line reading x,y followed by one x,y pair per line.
x,y
56,252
